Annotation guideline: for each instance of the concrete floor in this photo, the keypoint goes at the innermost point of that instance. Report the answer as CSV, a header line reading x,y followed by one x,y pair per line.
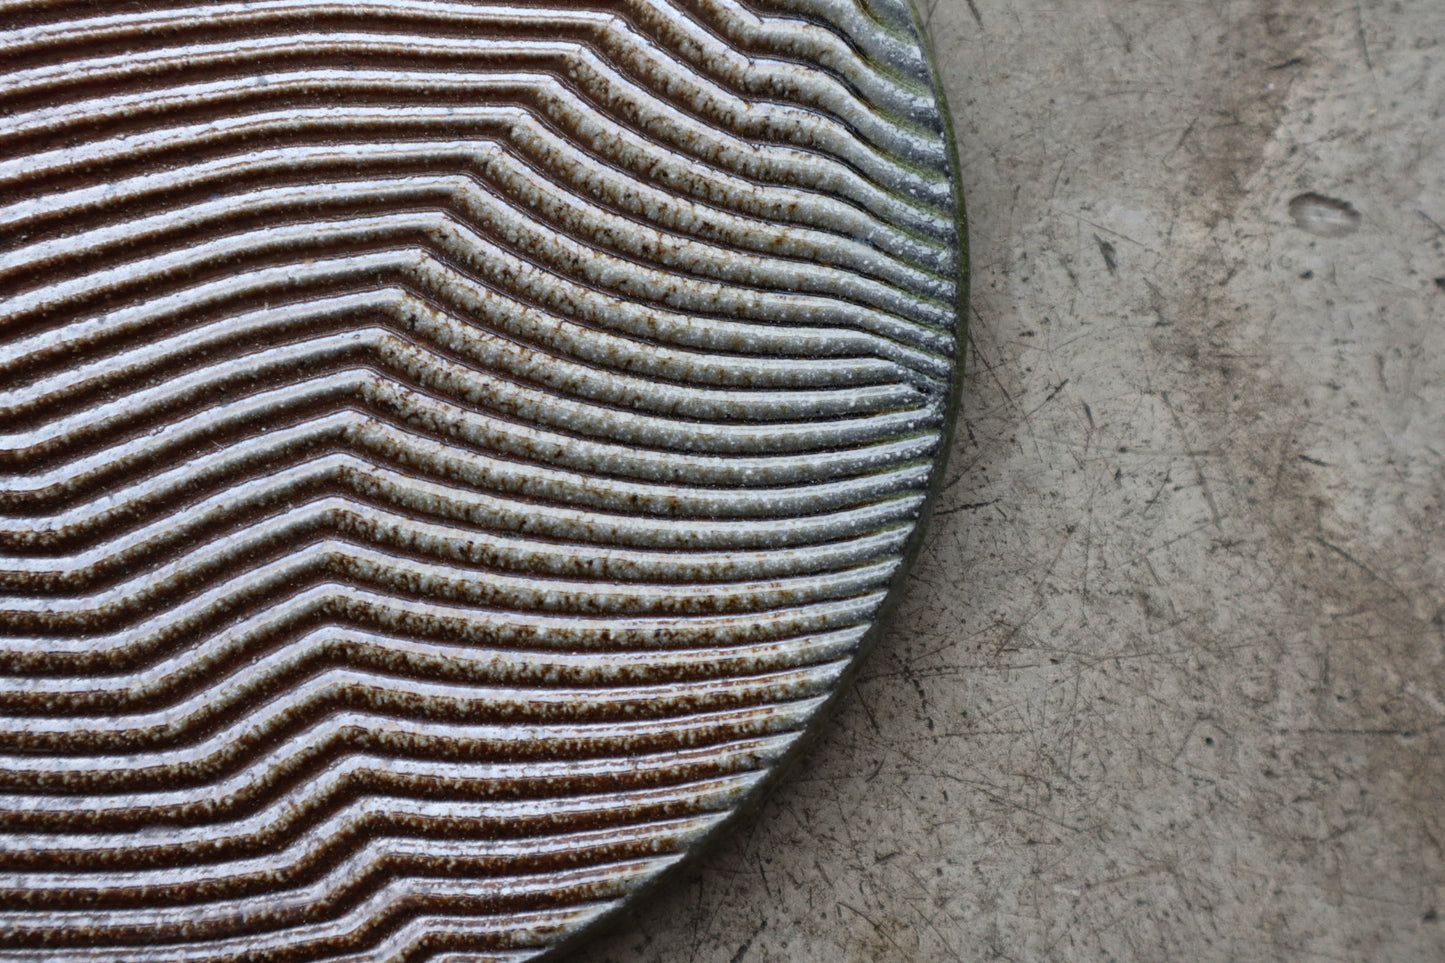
x,y
1168,683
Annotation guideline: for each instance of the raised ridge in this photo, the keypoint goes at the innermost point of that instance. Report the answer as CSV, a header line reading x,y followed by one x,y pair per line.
x,y
450,450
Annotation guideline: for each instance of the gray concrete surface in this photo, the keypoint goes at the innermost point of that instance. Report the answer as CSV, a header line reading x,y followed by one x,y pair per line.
x,y
1168,683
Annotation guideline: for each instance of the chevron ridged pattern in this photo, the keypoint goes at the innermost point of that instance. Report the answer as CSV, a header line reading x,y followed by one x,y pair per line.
x,y
449,450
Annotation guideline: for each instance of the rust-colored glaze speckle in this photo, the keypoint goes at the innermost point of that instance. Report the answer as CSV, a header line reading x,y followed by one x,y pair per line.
x,y
449,451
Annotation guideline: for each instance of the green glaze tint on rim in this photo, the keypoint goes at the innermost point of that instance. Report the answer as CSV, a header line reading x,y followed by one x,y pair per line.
x,y
451,453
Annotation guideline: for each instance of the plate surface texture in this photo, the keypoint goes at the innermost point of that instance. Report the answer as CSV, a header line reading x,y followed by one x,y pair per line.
x,y
450,451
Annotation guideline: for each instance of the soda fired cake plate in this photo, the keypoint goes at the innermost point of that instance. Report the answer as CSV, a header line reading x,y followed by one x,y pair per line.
x,y
450,452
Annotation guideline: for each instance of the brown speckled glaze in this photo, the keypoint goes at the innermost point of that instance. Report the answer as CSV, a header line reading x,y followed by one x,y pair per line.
x,y
449,451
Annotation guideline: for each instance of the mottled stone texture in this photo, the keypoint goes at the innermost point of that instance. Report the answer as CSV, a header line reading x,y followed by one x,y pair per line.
x,y
1168,683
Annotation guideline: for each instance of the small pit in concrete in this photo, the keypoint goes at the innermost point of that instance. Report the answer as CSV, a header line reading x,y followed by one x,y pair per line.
x,y
1324,216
